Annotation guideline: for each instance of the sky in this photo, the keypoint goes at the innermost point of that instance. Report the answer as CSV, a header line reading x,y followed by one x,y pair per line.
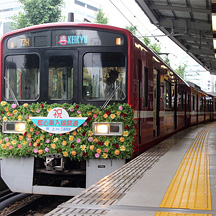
x,y
131,13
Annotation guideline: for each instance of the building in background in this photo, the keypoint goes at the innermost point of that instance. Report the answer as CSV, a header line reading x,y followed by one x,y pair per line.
x,y
84,10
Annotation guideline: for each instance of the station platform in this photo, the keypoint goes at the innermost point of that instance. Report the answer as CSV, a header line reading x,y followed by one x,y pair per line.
x,y
175,178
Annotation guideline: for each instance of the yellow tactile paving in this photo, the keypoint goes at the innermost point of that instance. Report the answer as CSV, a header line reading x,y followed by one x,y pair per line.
x,y
179,214
190,187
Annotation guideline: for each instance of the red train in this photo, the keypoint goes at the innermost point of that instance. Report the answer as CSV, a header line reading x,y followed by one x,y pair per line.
x,y
89,64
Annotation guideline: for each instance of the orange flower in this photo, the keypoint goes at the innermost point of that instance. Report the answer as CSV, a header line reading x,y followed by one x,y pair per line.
x,y
3,103
122,139
112,116
106,143
37,140
14,142
25,104
6,109
64,143
122,148
73,153
74,133
31,129
8,113
105,155
117,152
29,135
35,144
4,146
21,137
71,138
15,112
4,118
8,144
105,115
118,113
65,154
91,147
79,129
0,141
53,146
98,151
40,151
125,133
48,110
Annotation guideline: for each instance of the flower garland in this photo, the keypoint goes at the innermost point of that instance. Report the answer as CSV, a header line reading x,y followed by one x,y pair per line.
x,y
78,144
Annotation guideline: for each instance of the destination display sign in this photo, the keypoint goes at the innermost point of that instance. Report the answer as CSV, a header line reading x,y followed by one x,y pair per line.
x,y
66,38
83,37
21,41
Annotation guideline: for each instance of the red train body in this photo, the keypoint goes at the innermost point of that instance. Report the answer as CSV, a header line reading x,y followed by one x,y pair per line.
x,y
163,103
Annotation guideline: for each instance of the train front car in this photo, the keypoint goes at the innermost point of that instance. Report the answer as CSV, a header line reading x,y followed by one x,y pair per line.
x,y
65,117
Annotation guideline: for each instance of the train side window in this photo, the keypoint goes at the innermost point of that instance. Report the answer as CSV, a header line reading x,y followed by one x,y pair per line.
x,y
146,86
60,77
102,73
167,94
22,72
181,99
193,105
201,104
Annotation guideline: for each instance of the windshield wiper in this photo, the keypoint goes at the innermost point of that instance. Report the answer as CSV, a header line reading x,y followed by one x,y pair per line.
x,y
110,97
11,91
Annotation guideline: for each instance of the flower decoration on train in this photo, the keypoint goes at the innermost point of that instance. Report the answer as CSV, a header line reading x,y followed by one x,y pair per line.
x,y
82,132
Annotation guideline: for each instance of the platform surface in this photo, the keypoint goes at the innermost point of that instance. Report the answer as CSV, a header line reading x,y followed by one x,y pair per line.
x,y
175,178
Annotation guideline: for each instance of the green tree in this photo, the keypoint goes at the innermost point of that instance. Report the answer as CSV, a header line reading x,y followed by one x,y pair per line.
x,y
38,12
180,70
101,18
146,41
132,29
167,61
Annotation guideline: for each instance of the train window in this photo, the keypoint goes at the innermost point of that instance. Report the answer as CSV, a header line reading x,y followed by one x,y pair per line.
x,y
146,86
60,77
201,104
167,94
22,73
102,73
181,99
193,102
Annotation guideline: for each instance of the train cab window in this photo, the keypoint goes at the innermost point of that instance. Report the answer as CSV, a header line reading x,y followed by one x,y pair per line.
x,y
22,76
167,94
60,77
102,74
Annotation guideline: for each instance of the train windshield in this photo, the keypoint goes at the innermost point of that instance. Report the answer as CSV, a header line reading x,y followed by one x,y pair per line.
x,y
60,77
22,73
102,73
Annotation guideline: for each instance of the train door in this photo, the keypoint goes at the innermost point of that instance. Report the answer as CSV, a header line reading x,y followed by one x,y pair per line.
x,y
61,81
175,107
139,133
155,103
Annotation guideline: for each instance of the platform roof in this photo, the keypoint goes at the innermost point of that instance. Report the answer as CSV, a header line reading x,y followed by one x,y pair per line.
x,y
188,24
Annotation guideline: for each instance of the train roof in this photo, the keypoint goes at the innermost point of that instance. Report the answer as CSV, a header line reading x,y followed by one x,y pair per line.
x,y
67,25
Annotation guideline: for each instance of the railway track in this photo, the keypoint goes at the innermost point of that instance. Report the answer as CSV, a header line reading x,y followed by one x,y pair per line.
x,y
33,205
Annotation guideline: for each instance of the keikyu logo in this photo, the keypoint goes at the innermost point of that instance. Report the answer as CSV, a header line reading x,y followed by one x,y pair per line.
x,y
58,121
63,40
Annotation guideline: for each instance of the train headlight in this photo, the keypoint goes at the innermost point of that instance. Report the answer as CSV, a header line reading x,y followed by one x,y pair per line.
x,y
108,128
14,127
